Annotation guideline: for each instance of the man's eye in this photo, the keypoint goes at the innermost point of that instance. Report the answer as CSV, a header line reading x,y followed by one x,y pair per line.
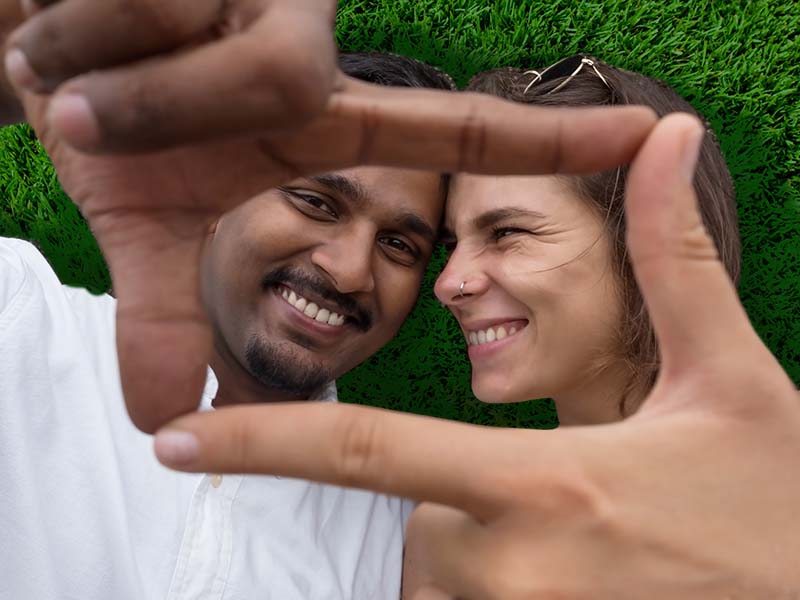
x,y
398,246
311,205
316,202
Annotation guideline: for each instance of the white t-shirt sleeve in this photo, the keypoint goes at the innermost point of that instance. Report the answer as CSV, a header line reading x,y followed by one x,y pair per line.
x,y
12,271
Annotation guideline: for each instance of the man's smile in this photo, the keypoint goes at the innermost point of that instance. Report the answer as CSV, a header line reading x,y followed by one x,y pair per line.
x,y
316,310
311,317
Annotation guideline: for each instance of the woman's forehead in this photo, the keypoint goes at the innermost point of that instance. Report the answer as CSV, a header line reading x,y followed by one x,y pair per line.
x,y
472,195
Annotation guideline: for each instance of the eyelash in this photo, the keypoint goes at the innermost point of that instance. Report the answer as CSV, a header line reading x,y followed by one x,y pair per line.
x,y
496,231
312,201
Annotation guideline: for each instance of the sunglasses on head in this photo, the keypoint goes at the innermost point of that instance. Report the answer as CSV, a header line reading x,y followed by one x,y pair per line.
x,y
567,67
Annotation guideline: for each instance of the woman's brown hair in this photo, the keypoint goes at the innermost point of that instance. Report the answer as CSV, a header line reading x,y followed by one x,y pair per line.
x,y
605,191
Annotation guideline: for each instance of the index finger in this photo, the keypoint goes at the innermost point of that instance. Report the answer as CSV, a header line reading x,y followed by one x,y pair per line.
x,y
416,457
461,132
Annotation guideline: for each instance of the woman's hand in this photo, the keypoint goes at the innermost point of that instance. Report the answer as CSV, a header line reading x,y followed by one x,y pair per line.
x,y
695,497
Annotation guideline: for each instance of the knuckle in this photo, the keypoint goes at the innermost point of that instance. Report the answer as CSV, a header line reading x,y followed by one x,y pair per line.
x,y
47,49
473,135
160,17
142,112
239,446
552,146
293,74
359,451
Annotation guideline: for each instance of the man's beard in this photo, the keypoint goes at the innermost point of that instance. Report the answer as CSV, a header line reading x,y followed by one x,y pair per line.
x,y
282,369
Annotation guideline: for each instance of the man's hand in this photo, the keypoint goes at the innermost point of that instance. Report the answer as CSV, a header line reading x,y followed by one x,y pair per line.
x,y
150,213
131,75
695,497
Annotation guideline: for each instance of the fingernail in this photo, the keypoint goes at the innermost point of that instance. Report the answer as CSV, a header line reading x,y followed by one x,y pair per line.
x,y
71,117
176,447
691,152
19,71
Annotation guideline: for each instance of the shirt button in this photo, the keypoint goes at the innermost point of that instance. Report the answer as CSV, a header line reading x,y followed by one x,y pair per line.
x,y
216,480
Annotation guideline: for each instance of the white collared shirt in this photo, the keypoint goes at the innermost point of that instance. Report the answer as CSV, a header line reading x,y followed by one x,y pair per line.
x,y
86,511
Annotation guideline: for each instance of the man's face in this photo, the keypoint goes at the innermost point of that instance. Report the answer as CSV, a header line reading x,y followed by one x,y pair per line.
x,y
306,281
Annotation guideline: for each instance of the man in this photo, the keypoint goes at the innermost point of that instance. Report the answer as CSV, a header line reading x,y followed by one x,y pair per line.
x,y
301,284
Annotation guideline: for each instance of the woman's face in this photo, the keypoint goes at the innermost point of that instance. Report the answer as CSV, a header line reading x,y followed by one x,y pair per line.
x,y
540,308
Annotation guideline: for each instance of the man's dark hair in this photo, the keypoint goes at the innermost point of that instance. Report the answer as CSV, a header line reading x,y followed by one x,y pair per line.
x,y
397,71
394,70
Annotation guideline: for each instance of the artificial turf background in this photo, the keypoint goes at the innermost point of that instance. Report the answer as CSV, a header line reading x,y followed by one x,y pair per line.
x,y
738,62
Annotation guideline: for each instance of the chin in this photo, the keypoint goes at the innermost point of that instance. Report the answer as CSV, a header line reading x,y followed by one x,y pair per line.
x,y
497,392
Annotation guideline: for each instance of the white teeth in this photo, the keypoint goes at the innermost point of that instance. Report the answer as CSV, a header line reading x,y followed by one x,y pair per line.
x,y
311,310
489,335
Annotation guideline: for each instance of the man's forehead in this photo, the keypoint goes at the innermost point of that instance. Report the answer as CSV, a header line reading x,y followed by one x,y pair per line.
x,y
386,189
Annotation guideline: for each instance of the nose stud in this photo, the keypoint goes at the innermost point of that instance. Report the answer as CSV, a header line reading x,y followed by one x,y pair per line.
x,y
461,288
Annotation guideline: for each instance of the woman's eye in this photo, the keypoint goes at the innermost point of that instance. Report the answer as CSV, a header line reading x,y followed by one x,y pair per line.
x,y
503,232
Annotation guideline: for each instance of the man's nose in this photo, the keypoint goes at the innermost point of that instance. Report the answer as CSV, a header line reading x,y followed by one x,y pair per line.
x,y
349,261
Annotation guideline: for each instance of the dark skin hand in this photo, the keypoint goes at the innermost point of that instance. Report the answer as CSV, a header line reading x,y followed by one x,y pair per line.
x,y
123,72
150,213
694,497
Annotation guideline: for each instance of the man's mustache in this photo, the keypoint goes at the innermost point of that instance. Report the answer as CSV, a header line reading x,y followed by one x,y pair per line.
x,y
302,282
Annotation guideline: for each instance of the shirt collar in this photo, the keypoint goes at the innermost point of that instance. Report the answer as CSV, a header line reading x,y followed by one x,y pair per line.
x,y
328,394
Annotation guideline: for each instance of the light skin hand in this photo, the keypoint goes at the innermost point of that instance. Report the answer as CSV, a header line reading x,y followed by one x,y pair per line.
x,y
694,497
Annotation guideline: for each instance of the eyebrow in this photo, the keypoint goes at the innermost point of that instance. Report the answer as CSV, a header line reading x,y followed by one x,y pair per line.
x,y
352,190
413,223
492,217
356,194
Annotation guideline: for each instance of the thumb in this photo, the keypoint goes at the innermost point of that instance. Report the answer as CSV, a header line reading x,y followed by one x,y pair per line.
x,y
691,300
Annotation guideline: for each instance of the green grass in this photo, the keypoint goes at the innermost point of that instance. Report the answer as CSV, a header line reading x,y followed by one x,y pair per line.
x,y
738,62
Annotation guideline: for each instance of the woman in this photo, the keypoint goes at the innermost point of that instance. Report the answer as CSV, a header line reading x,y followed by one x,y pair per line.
x,y
538,278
